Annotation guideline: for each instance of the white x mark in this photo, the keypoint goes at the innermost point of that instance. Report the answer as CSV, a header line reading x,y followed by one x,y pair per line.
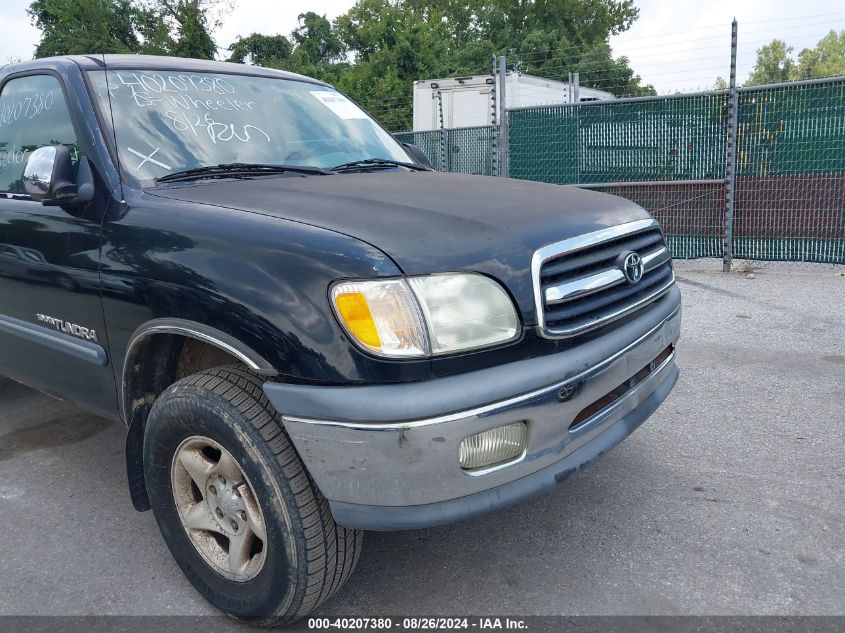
x,y
149,159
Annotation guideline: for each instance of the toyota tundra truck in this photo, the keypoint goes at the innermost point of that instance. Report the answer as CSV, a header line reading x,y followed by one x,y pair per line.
x,y
307,331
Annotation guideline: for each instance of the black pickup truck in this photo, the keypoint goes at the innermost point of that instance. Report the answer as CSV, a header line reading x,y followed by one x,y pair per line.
x,y
307,331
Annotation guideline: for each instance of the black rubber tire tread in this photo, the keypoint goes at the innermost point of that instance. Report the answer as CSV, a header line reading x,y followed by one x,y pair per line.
x,y
332,550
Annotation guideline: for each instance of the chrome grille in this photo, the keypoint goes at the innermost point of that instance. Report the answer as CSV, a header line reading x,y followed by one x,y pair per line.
x,y
580,285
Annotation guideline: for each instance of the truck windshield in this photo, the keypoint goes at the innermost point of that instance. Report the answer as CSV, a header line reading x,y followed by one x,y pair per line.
x,y
169,121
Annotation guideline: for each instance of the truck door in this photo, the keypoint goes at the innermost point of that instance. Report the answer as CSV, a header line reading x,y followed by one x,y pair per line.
x,y
469,107
51,317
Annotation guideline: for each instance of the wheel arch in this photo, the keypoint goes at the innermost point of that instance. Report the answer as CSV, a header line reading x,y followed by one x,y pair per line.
x,y
159,353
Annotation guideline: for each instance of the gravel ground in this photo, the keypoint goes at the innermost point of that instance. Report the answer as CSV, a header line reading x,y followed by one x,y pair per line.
x,y
728,501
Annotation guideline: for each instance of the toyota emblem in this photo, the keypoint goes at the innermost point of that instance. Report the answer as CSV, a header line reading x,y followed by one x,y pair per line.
x,y
632,268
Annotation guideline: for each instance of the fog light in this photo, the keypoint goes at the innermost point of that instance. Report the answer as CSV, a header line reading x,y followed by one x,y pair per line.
x,y
493,447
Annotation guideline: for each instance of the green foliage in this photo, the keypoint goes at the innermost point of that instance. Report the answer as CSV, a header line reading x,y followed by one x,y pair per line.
x,y
85,26
827,59
316,41
155,27
395,42
775,62
188,24
318,50
376,50
261,50
593,62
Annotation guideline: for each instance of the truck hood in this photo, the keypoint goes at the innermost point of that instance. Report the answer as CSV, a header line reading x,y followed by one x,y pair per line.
x,y
426,221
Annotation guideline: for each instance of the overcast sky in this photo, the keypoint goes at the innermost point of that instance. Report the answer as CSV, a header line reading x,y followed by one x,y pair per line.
x,y
675,44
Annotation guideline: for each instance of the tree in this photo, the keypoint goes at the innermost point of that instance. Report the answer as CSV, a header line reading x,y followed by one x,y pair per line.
x,y
377,49
316,41
394,42
827,59
774,64
85,26
188,22
593,62
319,52
260,50
157,27
720,84
313,49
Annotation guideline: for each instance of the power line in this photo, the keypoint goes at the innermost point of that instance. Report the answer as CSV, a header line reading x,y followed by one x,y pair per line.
x,y
795,18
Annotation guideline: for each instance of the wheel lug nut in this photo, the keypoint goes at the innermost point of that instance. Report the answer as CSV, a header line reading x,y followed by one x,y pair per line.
x,y
234,526
243,515
212,489
219,513
237,492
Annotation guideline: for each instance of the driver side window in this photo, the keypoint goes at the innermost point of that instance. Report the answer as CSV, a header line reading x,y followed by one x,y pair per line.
x,y
33,113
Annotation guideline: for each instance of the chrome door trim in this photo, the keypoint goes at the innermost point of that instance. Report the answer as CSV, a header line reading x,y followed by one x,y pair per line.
x,y
83,350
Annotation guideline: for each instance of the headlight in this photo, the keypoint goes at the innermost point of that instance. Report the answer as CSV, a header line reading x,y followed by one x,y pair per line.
x,y
425,316
383,316
464,311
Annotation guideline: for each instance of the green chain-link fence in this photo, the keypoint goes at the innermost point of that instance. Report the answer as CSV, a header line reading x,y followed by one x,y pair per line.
x,y
676,142
692,214
667,138
429,142
468,150
790,185
668,154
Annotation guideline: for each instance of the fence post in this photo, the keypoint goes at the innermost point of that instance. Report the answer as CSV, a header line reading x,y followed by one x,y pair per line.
x,y
504,141
442,131
494,149
447,148
730,158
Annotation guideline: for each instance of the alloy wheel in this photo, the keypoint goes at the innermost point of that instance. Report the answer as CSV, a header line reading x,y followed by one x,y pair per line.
x,y
218,508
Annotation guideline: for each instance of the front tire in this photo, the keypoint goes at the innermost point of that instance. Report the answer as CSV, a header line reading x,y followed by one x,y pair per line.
x,y
235,505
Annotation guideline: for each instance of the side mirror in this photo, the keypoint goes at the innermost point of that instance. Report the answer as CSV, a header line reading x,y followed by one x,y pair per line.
x,y
49,178
418,155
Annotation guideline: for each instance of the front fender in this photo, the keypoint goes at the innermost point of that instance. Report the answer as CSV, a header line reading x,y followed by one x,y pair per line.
x,y
260,282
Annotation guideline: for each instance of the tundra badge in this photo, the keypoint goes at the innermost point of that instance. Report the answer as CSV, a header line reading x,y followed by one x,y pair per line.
x,y
68,328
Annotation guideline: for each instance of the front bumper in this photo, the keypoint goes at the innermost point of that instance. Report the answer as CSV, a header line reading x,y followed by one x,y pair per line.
x,y
386,456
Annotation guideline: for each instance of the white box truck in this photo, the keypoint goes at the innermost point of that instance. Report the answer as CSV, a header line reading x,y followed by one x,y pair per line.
x,y
468,101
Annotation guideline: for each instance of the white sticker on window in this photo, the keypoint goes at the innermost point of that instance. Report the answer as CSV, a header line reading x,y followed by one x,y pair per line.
x,y
339,104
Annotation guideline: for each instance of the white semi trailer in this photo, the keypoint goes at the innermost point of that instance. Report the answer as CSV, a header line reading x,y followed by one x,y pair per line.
x,y
468,101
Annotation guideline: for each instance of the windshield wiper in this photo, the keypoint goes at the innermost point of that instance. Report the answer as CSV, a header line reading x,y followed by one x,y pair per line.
x,y
229,170
377,163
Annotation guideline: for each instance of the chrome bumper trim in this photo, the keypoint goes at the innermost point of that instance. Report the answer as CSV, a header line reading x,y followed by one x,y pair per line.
x,y
416,462
374,517
487,409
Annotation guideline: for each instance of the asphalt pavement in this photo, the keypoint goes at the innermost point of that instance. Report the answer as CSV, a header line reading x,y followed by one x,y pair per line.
x,y
729,500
